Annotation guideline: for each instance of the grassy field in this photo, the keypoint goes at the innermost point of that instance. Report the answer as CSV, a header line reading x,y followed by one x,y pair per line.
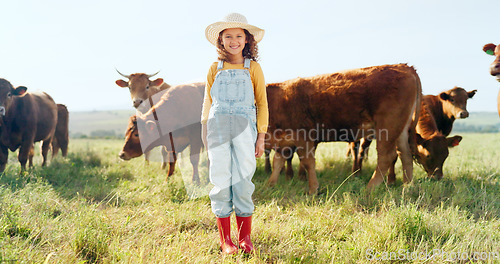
x,y
92,207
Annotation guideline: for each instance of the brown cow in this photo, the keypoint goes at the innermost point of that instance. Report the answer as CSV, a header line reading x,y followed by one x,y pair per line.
x,y
61,135
432,145
434,125
26,118
377,102
172,123
142,89
448,106
494,50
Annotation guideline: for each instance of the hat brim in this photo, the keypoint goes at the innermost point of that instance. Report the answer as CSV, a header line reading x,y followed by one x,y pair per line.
x,y
213,30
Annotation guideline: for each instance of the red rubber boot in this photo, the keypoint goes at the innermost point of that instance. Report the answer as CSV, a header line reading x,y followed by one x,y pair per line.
x,y
226,244
244,230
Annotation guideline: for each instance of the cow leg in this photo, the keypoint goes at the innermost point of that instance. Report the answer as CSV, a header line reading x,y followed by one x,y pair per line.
x,y
307,156
31,155
404,152
4,156
55,147
194,152
164,157
348,153
289,168
278,162
23,154
289,156
386,153
64,148
302,172
45,150
354,150
391,177
364,146
146,157
267,153
171,164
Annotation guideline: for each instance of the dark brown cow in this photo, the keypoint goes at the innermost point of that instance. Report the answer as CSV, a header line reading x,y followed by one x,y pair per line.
x,y
172,123
61,135
494,50
26,118
378,102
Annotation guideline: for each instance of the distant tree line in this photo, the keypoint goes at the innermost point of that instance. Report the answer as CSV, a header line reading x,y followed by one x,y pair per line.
x,y
494,128
98,134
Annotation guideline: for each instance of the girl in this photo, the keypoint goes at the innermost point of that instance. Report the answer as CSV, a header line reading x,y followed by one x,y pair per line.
x,y
234,120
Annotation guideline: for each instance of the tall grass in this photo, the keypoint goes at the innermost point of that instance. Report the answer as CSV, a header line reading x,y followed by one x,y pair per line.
x,y
92,207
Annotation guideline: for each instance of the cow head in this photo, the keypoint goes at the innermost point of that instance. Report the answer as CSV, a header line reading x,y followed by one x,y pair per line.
x,y
7,94
454,102
132,147
139,86
494,50
433,152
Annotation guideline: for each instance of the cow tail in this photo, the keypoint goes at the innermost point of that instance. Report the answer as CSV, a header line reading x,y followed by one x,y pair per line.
x,y
412,130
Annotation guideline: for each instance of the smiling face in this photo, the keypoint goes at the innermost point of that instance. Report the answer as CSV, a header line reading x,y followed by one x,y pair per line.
x,y
234,40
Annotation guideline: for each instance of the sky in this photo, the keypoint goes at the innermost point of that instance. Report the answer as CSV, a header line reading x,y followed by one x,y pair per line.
x,y
70,49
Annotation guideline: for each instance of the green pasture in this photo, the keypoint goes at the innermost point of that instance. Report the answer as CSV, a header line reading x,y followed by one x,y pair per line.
x,y
91,207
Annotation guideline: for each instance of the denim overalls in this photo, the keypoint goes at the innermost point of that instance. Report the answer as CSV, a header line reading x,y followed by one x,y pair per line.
x,y
231,136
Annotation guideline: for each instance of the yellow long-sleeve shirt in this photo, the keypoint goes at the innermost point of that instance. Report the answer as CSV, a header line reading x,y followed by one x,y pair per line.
x,y
259,89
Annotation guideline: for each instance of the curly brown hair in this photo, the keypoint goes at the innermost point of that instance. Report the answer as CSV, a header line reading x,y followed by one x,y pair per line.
x,y
250,51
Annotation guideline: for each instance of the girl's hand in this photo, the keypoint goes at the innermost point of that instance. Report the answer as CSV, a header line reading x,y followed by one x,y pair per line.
x,y
259,145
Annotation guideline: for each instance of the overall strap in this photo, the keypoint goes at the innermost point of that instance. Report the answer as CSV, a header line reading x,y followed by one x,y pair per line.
x,y
220,65
246,65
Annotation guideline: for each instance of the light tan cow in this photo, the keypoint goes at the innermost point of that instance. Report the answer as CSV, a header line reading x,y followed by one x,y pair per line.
x,y
142,90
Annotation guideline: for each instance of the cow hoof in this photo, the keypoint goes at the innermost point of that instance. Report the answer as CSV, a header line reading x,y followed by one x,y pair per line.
x,y
271,183
163,165
313,191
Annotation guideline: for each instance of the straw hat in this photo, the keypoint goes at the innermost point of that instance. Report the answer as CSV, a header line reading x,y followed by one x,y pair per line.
x,y
233,20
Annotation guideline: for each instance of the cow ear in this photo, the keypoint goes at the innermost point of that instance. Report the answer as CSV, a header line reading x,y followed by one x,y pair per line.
x,y
489,49
454,141
122,83
444,96
157,82
133,119
419,139
20,91
471,93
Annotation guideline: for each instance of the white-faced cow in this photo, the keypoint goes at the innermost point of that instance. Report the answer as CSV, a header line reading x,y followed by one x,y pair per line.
x,y
142,90
377,102
25,118
172,123
494,50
